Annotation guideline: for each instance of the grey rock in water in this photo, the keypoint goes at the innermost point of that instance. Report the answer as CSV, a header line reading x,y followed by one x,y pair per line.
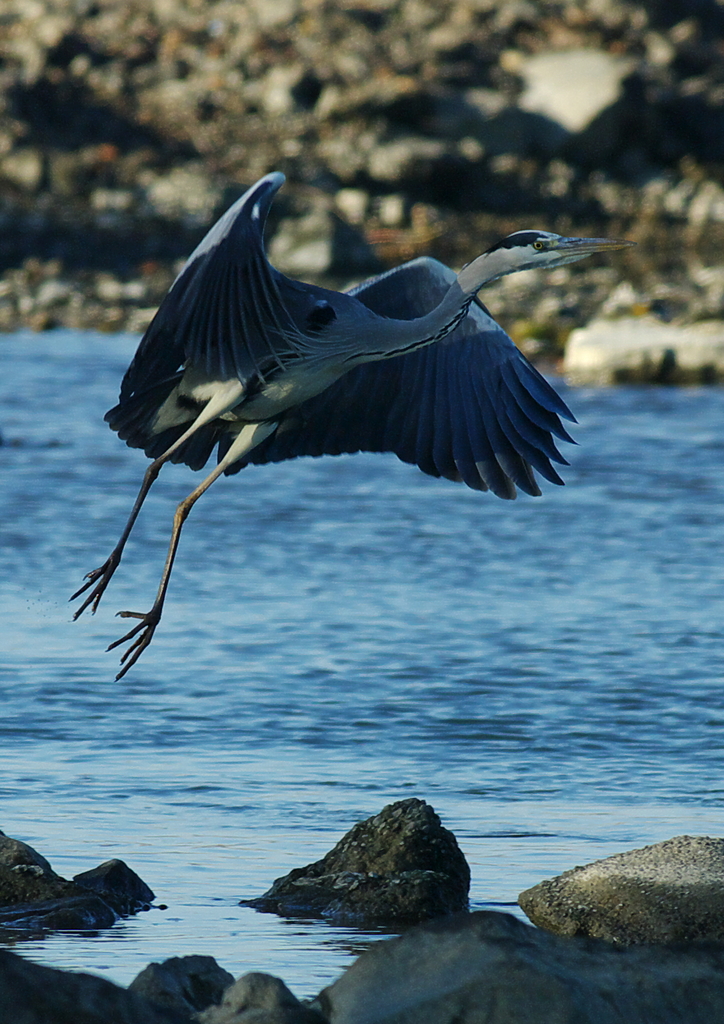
x,y
183,984
670,892
33,898
32,994
399,866
489,968
260,999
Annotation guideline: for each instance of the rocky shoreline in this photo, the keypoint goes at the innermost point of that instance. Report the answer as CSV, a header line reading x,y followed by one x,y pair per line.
x,y
403,127
632,939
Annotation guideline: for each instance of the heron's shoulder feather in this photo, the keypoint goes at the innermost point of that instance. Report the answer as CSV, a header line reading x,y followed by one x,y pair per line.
x,y
407,291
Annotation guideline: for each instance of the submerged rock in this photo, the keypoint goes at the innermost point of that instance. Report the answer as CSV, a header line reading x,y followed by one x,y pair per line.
x,y
670,892
34,898
69,912
400,865
491,967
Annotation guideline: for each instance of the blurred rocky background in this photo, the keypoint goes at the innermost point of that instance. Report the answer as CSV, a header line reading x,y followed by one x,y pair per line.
x,y
404,127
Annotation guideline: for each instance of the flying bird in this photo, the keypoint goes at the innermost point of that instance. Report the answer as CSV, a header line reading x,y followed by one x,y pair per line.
x,y
262,368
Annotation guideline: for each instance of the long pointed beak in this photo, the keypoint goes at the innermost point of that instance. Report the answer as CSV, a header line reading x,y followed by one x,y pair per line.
x,y
585,246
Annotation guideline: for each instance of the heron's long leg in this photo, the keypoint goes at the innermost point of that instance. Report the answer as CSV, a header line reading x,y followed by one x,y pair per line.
x,y
225,398
249,437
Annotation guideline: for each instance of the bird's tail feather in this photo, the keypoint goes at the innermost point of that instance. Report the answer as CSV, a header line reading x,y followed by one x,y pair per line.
x,y
133,419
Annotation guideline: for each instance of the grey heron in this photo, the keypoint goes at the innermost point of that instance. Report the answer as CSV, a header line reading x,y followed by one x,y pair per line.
x,y
266,368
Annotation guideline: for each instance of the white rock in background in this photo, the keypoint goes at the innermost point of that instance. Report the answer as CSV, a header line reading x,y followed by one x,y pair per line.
x,y
24,168
320,242
572,86
642,349
184,192
303,245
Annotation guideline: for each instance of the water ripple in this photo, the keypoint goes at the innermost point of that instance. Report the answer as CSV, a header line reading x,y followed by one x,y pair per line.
x,y
345,632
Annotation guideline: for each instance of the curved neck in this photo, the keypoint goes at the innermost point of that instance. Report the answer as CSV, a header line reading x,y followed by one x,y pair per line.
x,y
489,267
395,337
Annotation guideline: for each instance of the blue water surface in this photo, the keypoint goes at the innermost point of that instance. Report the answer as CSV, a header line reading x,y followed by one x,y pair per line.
x,y
341,633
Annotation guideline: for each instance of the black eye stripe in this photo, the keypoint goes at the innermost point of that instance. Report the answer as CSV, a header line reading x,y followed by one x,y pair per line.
x,y
519,238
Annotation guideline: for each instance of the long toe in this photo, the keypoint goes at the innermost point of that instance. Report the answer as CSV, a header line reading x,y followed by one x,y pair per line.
x,y
92,601
101,577
141,635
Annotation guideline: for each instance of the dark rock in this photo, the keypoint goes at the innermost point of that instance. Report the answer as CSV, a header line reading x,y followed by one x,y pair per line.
x,y
32,994
489,967
26,884
183,984
71,913
34,899
399,866
260,999
670,892
14,853
117,880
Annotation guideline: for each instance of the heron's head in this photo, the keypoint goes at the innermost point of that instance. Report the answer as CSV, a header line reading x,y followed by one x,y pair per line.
x,y
526,250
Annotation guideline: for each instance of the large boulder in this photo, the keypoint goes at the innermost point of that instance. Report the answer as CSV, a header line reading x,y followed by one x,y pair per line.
x,y
490,968
670,892
119,884
399,866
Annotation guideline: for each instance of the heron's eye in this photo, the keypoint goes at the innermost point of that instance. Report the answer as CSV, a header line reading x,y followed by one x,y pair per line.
x,y
538,245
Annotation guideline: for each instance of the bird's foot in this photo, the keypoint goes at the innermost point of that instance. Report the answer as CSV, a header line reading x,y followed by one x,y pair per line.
x,y
101,577
143,634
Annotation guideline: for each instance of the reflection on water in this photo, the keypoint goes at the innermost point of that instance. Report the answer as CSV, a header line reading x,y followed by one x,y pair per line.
x,y
341,633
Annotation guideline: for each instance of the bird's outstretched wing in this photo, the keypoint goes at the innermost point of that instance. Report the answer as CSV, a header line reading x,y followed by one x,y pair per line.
x,y
470,408
222,314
